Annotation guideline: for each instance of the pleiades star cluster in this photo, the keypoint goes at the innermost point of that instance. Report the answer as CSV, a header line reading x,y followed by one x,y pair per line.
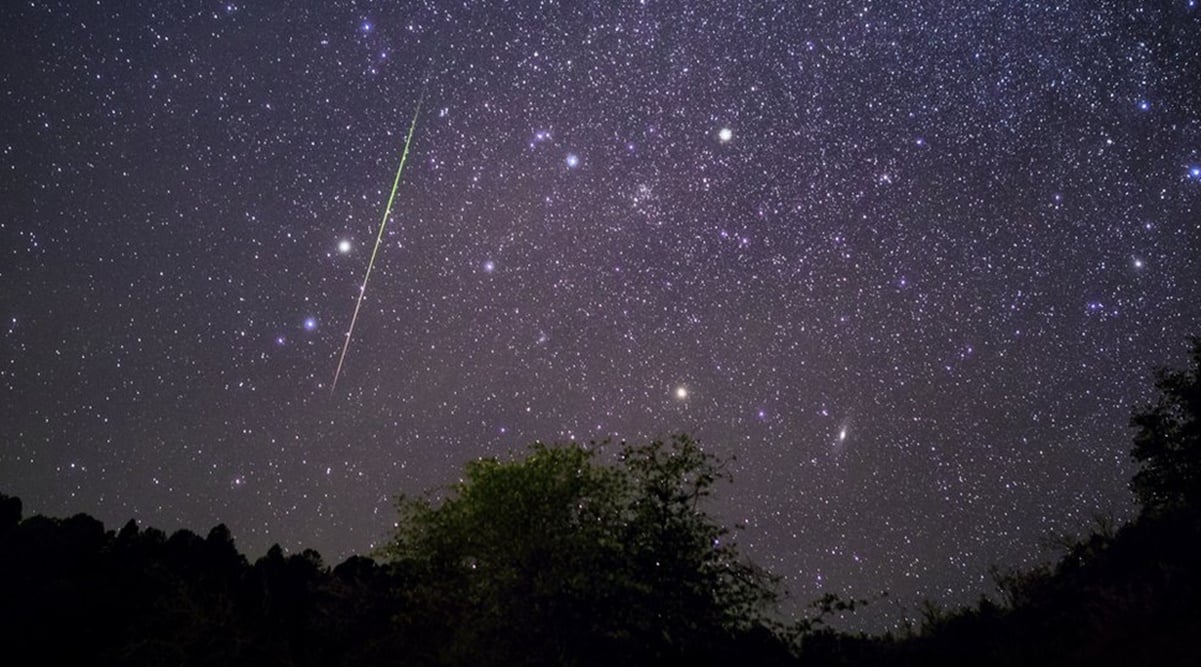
x,y
907,264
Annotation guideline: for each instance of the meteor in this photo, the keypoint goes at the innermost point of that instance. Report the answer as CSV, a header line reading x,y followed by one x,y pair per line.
x,y
378,239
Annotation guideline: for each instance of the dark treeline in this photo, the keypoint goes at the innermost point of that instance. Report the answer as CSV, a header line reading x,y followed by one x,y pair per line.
x,y
76,594
557,559
549,559
1124,596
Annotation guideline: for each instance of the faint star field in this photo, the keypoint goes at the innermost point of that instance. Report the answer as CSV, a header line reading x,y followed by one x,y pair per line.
x,y
910,264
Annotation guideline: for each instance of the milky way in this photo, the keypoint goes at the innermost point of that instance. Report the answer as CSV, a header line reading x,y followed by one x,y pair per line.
x,y
910,264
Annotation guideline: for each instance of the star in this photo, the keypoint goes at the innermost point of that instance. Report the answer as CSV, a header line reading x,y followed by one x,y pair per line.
x,y
825,270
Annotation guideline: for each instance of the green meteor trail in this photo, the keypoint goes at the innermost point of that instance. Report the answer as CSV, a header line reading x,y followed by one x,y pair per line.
x,y
378,239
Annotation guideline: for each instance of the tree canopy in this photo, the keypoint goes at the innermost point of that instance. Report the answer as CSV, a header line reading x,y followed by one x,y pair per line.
x,y
1167,440
558,558
581,555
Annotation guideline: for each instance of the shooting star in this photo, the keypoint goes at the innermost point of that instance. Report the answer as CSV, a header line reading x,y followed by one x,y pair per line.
x,y
378,240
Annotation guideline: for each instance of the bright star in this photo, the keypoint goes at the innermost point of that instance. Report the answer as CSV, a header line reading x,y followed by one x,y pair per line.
x,y
682,393
489,266
573,160
310,324
725,134
343,246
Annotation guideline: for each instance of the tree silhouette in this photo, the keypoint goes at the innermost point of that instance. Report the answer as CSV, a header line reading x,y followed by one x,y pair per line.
x,y
10,513
1167,441
558,559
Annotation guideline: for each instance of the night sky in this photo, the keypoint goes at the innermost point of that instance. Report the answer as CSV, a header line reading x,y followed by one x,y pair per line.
x,y
910,263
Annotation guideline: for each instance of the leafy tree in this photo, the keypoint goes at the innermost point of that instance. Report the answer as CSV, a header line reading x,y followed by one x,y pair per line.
x,y
556,558
1167,441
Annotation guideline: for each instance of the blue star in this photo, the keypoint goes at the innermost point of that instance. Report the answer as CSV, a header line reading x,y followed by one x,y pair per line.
x,y
573,160
310,324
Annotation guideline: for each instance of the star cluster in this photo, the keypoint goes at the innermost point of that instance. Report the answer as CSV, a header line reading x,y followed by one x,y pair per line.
x,y
909,264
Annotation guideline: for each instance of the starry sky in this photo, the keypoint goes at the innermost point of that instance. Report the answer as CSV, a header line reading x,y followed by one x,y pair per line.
x,y
909,263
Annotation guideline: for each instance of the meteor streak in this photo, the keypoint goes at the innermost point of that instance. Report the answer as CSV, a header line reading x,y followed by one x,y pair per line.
x,y
378,239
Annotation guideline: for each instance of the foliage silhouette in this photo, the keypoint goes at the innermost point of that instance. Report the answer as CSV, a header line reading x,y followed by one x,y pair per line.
x,y
1167,441
558,558
550,559
1120,596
